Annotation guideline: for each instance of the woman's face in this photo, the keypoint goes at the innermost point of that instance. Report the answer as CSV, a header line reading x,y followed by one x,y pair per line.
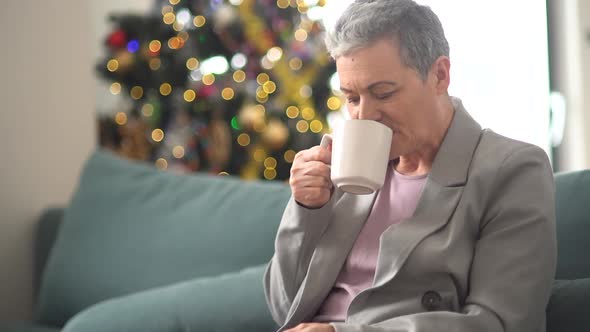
x,y
378,86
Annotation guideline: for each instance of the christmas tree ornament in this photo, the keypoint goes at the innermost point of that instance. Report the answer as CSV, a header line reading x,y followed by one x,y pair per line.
x,y
276,134
117,39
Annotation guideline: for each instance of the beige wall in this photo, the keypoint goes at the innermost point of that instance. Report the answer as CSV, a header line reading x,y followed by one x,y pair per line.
x,y
47,129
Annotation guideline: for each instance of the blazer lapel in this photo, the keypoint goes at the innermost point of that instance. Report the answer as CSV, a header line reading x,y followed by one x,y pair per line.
x,y
439,198
350,214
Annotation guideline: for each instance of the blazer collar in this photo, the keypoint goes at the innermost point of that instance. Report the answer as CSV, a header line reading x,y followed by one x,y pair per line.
x,y
453,159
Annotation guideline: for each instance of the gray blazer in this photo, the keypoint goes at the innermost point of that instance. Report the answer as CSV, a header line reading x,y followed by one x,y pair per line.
x,y
478,254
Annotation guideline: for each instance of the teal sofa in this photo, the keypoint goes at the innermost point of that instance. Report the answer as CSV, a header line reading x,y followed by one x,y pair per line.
x,y
175,253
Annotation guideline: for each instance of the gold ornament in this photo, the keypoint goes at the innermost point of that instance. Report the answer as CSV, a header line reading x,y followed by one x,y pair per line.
x,y
251,117
276,134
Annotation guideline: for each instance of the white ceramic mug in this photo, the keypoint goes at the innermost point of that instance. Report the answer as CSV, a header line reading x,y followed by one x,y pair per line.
x,y
360,155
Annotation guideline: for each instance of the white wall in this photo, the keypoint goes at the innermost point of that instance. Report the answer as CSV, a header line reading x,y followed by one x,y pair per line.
x,y
571,77
47,127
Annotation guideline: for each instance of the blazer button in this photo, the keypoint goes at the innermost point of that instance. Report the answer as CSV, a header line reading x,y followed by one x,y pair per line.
x,y
431,300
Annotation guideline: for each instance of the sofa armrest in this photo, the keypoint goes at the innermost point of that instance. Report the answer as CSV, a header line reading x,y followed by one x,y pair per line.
x,y
45,234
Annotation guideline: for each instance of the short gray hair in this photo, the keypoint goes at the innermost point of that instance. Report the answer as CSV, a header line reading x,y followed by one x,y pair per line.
x,y
416,29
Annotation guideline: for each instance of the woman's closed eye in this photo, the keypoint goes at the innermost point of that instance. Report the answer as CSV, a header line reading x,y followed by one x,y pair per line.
x,y
353,100
382,96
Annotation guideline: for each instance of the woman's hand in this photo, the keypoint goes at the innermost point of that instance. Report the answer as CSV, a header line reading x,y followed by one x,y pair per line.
x,y
310,177
312,327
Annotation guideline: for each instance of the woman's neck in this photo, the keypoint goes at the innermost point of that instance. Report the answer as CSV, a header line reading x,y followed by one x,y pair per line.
x,y
419,161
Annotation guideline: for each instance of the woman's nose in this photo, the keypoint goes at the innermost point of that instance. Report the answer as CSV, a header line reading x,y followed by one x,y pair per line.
x,y
368,112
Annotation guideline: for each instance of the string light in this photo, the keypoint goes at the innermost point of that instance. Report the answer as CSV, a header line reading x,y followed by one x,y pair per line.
x,y
165,89
270,162
266,63
295,63
190,95
262,78
234,123
259,155
199,21
208,79
239,76
316,126
334,103
274,54
302,126
300,35
175,43
147,110
305,91
136,92
183,35
244,139
167,9
177,26
115,88
155,63
192,63
260,93
112,65
121,118
169,18
161,164
269,87
155,46
292,112
133,46
282,4
289,156
238,61
196,75
227,93
270,174
178,152
157,135
215,65
183,16
308,113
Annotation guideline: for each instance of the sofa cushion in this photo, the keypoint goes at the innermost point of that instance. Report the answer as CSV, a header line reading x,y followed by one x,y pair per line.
x,y
572,190
567,309
228,303
130,227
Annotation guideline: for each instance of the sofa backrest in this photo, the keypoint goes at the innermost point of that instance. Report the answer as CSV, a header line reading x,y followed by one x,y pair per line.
x,y
130,227
572,206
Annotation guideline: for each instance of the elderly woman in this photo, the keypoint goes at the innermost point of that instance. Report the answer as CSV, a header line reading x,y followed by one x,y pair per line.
x,y
462,235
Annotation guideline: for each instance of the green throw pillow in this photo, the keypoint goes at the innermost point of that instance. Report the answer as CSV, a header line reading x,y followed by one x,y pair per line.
x,y
130,227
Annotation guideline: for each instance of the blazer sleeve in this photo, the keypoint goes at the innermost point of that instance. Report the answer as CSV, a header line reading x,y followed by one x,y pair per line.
x,y
514,259
297,237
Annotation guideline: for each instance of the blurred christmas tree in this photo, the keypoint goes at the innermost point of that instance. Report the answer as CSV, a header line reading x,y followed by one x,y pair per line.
x,y
234,87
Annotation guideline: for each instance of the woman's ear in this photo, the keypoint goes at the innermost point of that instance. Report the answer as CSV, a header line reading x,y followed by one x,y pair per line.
x,y
442,74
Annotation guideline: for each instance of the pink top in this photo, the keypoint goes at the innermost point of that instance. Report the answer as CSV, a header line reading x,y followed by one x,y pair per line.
x,y
395,202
